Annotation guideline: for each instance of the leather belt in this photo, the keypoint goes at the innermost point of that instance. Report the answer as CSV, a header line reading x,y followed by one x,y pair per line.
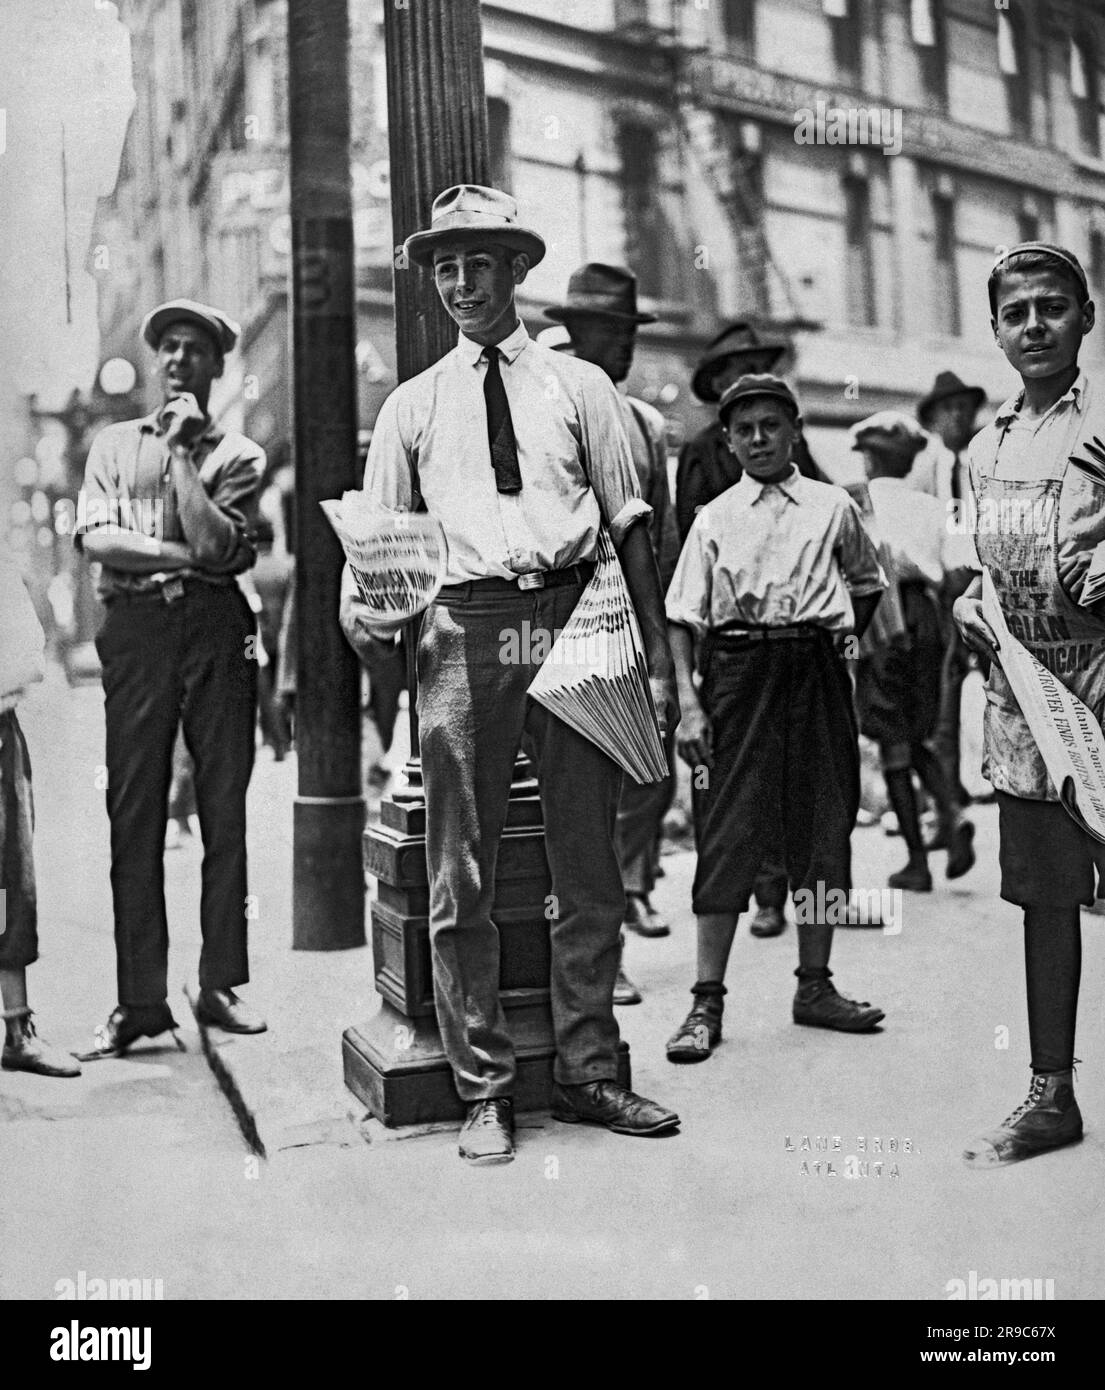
x,y
535,579
797,632
169,591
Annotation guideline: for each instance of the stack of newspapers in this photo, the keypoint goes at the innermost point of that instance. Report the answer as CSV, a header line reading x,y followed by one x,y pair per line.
x,y
595,676
398,559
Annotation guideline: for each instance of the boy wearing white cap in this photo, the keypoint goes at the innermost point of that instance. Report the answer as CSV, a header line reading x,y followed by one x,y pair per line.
x,y
170,503
898,683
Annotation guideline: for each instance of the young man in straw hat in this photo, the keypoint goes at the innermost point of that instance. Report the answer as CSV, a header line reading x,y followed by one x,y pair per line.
x,y
520,454
601,315
170,507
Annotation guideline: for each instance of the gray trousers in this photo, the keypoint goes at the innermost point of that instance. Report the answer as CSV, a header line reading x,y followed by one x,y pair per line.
x,y
476,658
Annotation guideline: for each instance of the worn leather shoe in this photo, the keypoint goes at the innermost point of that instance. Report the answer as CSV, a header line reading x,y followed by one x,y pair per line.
x,y
642,917
126,1024
914,878
1048,1118
221,1008
24,1050
487,1135
961,853
818,1005
606,1103
700,1031
768,921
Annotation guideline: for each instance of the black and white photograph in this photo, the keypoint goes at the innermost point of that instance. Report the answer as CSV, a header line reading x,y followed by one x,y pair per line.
x,y
552,664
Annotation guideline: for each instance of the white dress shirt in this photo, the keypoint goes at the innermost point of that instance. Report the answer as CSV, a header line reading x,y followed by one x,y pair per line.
x,y
913,526
570,437
772,555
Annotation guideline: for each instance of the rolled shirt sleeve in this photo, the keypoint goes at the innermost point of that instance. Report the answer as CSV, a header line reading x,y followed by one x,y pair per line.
x,y
388,469
98,504
236,490
689,595
857,555
607,455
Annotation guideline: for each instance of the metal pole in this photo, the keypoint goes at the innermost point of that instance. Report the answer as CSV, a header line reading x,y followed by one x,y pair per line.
x,y
437,137
328,873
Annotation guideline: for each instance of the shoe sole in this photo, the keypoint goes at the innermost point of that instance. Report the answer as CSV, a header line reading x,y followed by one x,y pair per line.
x,y
486,1160
571,1118
226,1027
691,1054
625,1003
864,1027
641,931
772,931
40,1071
1029,1152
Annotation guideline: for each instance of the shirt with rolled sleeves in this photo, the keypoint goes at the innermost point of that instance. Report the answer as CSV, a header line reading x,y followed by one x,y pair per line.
x,y
573,454
128,485
774,555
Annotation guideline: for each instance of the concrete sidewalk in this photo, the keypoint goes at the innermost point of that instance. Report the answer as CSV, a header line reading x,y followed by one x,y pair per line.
x,y
726,1206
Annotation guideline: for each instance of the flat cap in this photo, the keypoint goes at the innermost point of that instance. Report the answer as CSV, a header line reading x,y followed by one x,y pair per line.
x,y
890,431
756,384
221,327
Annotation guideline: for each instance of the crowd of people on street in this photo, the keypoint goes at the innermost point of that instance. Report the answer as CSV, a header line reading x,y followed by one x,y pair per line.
x,y
781,618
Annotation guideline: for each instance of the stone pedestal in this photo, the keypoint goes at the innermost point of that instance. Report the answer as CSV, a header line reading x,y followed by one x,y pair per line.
x,y
394,1063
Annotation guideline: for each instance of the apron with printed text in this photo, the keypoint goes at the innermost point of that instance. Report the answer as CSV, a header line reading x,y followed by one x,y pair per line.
x,y
1023,525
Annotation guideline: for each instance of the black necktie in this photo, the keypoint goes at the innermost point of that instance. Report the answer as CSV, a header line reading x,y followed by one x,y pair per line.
x,y
957,491
500,427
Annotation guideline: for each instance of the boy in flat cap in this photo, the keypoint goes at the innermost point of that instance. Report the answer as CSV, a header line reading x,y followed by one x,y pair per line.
x,y
170,507
775,573
601,315
521,504
1037,474
898,683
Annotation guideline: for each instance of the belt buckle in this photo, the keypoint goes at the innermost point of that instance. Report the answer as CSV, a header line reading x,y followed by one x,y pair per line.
x,y
172,589
535,579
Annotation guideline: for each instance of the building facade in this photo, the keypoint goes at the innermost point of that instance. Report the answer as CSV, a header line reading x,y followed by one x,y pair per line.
x,y
842,171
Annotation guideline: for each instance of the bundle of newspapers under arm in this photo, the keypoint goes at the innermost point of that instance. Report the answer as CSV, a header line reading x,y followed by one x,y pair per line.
x,y
398,559
1065,729
595,677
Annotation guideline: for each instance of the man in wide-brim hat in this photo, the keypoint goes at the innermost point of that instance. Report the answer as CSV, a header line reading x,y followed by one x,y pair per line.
x,y
601,317
948,412
521,504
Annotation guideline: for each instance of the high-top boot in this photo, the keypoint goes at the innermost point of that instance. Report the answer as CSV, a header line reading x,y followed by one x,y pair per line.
x,y
1047,1119
700,1031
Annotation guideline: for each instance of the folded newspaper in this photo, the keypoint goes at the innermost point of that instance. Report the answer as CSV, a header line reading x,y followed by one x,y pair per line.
x,y
1066,732
398,559
595,676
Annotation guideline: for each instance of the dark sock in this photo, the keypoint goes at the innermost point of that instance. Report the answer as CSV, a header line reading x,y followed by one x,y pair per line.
x,y
1053,968
899,788
935,782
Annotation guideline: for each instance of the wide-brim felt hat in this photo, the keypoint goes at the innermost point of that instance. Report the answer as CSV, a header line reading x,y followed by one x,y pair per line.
x,y
737,340
220,326
947,384
600,291
469,214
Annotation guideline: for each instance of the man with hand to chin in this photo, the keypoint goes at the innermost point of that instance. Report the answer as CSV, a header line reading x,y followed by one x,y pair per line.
x,y
170,506
520,453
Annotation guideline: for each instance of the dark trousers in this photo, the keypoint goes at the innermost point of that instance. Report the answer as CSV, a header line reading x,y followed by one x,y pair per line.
x,y
784,786
945,739
18,903
165,665
641,813
475,663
